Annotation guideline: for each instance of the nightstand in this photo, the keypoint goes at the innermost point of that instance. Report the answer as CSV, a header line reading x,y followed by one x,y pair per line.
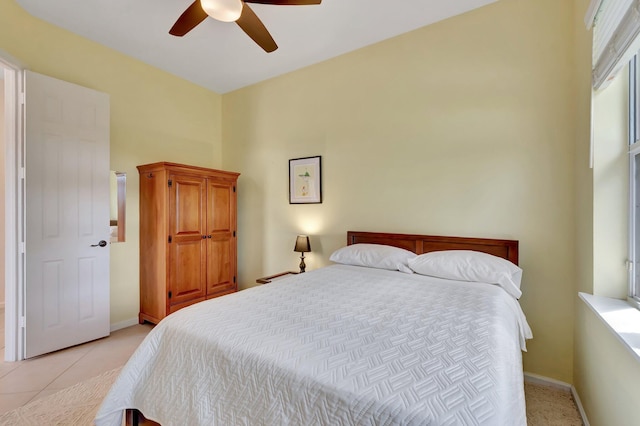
x,y
281,275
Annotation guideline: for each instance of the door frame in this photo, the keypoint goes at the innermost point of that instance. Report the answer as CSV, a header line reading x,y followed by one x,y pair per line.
x,y
14,209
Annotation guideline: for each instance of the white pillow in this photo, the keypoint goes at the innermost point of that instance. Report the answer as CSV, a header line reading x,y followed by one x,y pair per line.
x,y
374,256
467,265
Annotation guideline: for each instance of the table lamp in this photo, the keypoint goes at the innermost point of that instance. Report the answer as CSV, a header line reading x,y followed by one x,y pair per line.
x,y
302,246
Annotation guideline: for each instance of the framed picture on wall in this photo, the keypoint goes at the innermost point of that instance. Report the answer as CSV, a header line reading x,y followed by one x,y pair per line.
x,y
305,180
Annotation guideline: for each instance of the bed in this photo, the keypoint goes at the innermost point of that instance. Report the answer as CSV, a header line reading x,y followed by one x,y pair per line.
x,y
343,344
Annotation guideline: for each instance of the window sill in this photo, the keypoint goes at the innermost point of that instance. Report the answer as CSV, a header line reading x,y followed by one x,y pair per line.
x,y
620,317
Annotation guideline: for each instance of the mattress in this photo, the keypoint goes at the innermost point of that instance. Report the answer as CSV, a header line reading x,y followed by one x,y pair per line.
x,y
342,345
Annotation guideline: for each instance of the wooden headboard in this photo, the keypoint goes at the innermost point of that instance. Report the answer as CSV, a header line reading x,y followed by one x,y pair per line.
x,y
419,244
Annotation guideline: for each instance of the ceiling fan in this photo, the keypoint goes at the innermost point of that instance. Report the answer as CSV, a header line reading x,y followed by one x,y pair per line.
x,y
237,11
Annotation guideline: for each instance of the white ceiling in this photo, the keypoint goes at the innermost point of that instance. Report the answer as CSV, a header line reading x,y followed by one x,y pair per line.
x,y
219,55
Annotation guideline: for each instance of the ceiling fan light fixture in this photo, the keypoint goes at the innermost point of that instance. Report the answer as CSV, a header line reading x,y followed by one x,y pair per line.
x,y
223,10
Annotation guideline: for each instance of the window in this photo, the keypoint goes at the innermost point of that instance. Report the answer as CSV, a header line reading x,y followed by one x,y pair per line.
x,y
634,180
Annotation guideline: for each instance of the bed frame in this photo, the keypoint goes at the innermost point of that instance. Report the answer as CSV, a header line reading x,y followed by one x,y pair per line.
x,y
419,244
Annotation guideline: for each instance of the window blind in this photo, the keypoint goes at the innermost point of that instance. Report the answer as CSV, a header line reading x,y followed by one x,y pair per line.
x,y
594,6
607,18
615,37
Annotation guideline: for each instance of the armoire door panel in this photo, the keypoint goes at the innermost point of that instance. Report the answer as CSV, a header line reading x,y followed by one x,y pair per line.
x,y
221,290
219,266
179,306
187,205
219,205
186,270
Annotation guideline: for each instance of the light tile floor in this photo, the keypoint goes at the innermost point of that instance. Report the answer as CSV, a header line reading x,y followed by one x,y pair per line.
x,y
25,381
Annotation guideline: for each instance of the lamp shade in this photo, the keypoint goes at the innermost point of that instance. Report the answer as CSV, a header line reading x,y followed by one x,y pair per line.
x,y
222,10
302,244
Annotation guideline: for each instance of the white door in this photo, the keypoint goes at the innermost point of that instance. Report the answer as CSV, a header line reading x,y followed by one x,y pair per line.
x,y
67,214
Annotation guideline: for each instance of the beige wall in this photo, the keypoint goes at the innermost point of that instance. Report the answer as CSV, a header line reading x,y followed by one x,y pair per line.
x,y
465,127
2,289
154,117
606,375
604,372
584,174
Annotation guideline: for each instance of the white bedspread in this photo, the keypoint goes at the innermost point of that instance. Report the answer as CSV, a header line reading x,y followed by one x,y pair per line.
x,y
342,345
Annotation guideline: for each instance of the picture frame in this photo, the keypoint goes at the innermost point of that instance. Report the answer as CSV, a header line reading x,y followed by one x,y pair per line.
x,y
305,180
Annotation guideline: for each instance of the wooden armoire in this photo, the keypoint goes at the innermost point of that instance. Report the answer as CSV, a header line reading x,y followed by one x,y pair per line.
x,y
187,237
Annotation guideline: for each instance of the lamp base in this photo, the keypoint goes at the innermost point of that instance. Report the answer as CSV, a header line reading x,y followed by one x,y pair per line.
x,y
302,265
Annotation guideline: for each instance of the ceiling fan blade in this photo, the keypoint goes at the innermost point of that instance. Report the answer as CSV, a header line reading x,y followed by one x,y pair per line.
x,y
286,2
189,19
253,26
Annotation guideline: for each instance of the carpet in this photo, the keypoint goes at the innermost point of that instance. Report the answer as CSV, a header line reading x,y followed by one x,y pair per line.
x,y
73,406
548,406
78,405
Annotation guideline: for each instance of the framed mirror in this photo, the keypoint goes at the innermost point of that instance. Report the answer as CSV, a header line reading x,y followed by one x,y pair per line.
x,y
118,184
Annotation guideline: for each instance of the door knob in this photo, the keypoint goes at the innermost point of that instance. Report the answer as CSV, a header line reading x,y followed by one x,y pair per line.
x,y
102,243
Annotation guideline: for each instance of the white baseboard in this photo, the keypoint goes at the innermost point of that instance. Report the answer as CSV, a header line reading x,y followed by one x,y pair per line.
x,y
578,402
536,379
124,324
